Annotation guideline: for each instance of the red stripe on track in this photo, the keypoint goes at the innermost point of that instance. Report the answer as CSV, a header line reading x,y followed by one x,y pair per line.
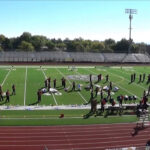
x,y
71,137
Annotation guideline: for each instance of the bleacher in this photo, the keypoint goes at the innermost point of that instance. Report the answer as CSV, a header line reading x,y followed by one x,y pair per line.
x,y
58,56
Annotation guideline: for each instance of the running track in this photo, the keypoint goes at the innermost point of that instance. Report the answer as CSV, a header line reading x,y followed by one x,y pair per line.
x,y
80,137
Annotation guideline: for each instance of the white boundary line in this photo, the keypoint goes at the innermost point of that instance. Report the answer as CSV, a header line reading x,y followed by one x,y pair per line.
x,y
25,86
6,77
71,84
46,118
52,93
97,127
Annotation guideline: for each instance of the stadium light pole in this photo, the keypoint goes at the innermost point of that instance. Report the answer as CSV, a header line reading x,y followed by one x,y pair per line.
x,y
130,12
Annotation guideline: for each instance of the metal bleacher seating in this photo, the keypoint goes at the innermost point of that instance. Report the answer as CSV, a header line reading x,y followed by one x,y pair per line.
x,y
59,56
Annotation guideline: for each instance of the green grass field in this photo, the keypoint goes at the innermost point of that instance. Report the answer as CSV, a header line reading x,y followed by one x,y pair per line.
x,y
28,79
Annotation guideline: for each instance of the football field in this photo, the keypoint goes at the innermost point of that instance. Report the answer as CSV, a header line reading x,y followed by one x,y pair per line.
x,y
28,79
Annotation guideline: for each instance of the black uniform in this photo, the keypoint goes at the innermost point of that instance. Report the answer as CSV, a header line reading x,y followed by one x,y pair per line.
x,y
54,81
7,96
107,78
13,90
1,94
101,94
39,94
73,86
96,91
143,77
148,80
140,78
90,77
110,86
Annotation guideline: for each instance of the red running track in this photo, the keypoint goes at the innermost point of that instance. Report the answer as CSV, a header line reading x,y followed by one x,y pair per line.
x,y
75,137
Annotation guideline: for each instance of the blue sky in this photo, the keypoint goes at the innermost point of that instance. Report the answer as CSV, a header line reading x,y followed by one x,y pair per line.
x,y
89,19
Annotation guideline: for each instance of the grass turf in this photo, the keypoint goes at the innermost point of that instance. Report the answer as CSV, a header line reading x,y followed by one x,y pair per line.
x,y
29,79
51,117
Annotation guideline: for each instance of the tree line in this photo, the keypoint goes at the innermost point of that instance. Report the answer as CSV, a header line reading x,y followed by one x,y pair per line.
x,y
27,42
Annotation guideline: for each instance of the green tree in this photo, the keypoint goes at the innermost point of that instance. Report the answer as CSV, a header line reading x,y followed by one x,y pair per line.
x,y
50,45
38,42
141,47
109,44
122,46
7,44
61,46
2,38
26,46
26,36
97,46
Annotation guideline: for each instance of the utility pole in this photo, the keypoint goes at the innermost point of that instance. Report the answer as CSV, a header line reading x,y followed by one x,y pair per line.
x,y
130,12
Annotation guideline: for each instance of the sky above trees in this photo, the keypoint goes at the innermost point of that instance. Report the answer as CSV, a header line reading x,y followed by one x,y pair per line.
x,y
89,19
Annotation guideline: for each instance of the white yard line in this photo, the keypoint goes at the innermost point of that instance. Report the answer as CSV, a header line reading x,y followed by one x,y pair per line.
x,y
117,84
80,93
82,97
25,86
52,93
6,77
54,99
71,84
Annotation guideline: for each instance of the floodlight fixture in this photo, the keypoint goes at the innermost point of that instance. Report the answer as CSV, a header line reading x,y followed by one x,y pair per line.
x,y
130,12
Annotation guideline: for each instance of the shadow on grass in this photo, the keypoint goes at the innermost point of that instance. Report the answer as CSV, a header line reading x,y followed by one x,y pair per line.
x,y
60,88
4,102
34,103
88,115
95,114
